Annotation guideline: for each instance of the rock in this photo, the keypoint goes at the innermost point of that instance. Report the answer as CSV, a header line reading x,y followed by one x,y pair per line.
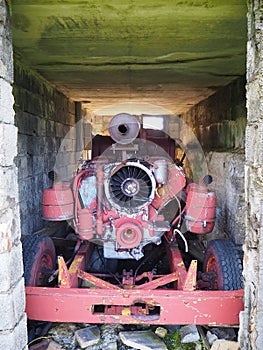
x,y
226,333
221,344
198,346
87,336
46,345
172,328
142,340
54,346
40,346
211,337
109,332
63,334
161,332
189,334
112,346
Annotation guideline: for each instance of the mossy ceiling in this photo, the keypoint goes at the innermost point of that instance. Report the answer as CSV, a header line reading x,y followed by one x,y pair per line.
x,y
173,53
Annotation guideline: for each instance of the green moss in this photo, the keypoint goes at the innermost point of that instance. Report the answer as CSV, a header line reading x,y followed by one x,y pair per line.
x,y
173,342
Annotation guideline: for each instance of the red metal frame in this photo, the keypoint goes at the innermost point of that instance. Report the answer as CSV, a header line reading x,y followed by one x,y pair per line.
x,y
176,307
104,302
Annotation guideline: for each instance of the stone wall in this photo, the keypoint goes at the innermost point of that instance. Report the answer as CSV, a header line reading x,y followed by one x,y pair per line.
x,y
12,295
228,172
219,122
46,137
215,132
251,331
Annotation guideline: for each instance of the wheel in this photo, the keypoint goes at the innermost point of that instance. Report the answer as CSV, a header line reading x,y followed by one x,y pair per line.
x,y
224,260
39,259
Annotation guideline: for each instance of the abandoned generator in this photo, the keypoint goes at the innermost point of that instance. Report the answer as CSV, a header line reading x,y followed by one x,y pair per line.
x,y
131,217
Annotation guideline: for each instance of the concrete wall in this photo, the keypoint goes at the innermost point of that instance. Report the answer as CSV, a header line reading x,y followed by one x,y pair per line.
x,y
12,296
251,331
44,118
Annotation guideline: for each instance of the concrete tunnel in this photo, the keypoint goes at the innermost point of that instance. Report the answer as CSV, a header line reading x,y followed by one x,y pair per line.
x,y
193,66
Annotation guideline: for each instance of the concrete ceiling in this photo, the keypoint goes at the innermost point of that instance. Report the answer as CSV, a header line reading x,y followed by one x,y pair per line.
x,y
170,53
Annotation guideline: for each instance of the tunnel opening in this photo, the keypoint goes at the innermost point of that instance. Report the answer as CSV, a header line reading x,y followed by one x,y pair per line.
x,y
47,111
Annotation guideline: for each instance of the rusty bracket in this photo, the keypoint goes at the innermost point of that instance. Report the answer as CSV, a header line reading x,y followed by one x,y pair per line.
x,y
190,280
95,281
159,282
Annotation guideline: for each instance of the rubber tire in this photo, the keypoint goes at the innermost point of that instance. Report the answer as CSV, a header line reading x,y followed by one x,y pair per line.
x,y
38,252
223,258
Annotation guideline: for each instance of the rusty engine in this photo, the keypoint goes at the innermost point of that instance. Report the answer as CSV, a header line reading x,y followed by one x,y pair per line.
x,y
131,193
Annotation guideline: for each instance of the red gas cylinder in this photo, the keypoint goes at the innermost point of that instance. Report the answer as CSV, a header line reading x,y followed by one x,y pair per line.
x,y
57,202
200,209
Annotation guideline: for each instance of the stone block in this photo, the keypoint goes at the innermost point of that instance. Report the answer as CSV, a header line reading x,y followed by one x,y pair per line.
x,y
50,128
6,218
8,144
22,144
11,268
227,170
18,295
6,102
88,336
38,165
6,54
8,340
17,268
222,344
7,319
67,145
5,276
143,340
12,306
59,127
8,187
20,334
